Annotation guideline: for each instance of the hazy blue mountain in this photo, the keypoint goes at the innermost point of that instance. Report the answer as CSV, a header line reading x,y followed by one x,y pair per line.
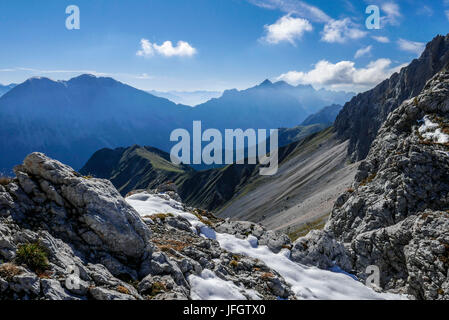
x,y
327,115
189,98
69,120
6,88
268,105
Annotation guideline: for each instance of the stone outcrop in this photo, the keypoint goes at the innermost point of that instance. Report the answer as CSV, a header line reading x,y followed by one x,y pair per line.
x,y
362,117
396,214
93,245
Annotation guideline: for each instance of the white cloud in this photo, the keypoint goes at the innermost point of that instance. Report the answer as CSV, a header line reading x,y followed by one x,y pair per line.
x,y
393,13
411,46
299,8
342,75
341,31
447,14
287,29
182,49
363,51
146,48
381,39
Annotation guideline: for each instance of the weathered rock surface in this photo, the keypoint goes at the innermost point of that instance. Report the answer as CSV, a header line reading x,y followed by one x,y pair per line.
x,y
396,215
98,246
362,117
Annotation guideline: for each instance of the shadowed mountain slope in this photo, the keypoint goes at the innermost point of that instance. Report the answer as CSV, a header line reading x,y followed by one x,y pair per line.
x,y
362,117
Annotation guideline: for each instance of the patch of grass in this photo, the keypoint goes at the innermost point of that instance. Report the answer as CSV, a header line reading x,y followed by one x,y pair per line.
x,y
122,289
234,263
4,181
157,287
76,174
368,180
350,190
9,271
317,224
89,177
267,276
33,255
167,245
44,274
203,219
158,162
236,257
161,216
425,215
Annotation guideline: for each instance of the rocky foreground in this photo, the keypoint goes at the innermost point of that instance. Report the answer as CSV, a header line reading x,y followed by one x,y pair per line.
x,y
64,236
396,215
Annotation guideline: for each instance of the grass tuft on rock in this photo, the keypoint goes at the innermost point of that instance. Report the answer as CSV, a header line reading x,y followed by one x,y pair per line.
x,y
4,181
158,287
9,271
34,256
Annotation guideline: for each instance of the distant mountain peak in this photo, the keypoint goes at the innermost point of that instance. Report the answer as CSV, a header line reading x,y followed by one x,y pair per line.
x,y
266,82
37,79
90,79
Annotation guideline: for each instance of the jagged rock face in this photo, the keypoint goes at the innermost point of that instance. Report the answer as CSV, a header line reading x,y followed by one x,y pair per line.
x,y
395,216
362,117
91,209
99,247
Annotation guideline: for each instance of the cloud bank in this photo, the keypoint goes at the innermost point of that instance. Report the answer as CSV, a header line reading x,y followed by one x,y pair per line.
x,y
342,75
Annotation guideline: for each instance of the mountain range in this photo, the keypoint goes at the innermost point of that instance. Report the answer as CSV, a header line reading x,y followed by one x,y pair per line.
x,y
313,168
70,120
5,88
189,98
257,107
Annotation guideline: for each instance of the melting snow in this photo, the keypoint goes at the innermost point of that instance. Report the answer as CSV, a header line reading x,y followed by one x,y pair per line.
x,y
210,287
431,131
306,282
147,204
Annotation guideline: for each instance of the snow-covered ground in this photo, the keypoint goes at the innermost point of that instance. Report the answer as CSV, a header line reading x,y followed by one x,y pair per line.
x,y
432,131
209,286
306,282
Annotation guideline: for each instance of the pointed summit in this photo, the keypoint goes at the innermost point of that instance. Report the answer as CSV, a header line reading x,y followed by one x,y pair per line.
x,y
266,83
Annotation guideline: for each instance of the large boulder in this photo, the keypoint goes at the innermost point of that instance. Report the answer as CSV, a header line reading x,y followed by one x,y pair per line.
x,y
93,208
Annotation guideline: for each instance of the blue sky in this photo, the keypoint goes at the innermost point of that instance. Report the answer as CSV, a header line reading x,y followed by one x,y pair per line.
x,y
216,44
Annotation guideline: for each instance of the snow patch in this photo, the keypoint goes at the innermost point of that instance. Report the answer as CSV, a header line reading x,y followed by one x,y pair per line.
x,y
210,287
147,204
432,131
306,282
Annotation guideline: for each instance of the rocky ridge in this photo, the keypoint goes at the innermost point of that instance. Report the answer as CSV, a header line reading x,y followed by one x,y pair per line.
x,y
93,245
396,214
362,117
